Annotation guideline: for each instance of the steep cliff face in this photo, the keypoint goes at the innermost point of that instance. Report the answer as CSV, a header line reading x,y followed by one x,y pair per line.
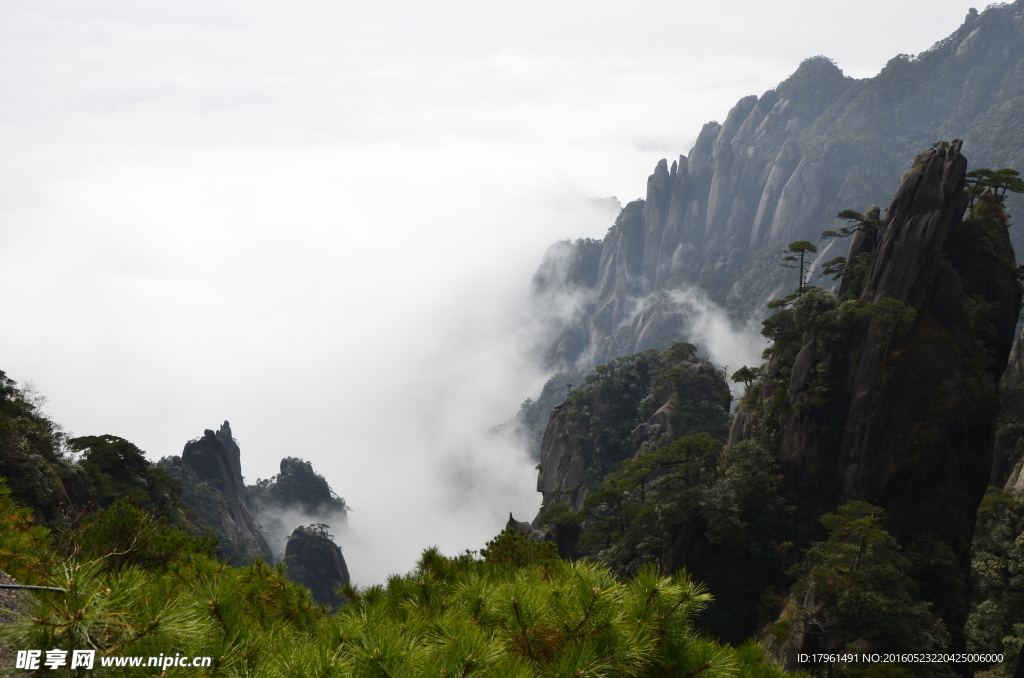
x,y
920,427
889,395
315,561
780,167
216,460
211,472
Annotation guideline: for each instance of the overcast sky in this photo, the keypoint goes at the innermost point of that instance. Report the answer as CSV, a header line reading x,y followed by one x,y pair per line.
x,y
318,220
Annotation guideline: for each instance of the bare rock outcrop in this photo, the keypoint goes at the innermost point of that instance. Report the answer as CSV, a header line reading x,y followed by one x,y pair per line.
x,y
316,562
524,527
802,200
211,472
563,461
746,185
216,460
929,261
1015,483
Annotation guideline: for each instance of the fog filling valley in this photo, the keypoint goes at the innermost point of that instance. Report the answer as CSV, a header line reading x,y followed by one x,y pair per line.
x,y
320,223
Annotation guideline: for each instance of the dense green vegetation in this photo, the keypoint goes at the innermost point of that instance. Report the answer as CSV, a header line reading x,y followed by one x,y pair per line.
x,y
997,621
857,588
61,478
668,493
625,393
115,469
34,453
720,513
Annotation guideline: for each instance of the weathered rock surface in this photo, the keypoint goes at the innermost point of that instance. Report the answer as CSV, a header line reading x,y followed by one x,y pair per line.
x,y
912,427
563,462
931,483
316,562
1015,484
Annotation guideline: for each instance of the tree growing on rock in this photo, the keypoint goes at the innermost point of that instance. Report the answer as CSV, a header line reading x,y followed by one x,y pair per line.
x,y
746,375
795,256
1000,182
867,224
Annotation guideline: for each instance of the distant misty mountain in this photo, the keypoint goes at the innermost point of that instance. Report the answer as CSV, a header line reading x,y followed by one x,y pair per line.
x,y
778,169
713,225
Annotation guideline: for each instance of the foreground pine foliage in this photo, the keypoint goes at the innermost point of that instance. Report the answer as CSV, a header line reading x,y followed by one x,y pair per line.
x,y
462,617
516,612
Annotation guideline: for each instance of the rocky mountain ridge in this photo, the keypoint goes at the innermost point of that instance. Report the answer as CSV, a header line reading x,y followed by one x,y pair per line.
x,y
778,169
262,520
210,469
